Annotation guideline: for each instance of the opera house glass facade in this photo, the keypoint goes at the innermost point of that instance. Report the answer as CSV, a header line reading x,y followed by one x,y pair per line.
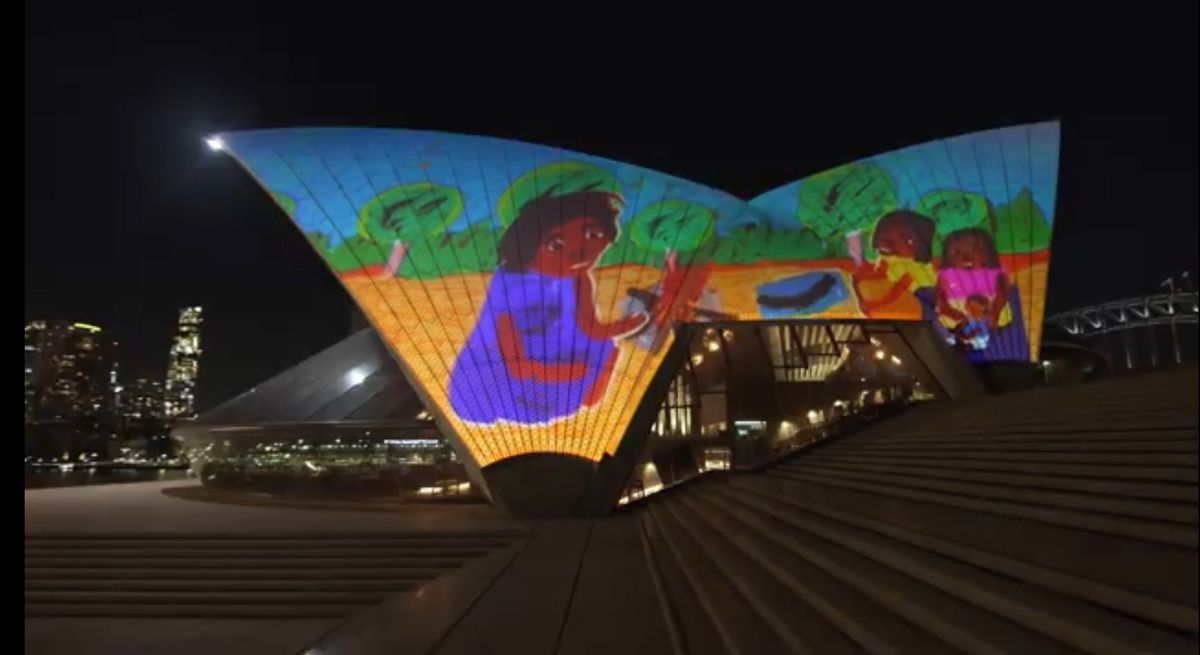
x,y
535,297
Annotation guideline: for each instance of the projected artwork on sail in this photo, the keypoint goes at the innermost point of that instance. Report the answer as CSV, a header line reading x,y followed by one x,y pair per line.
x,y
956,231
531,293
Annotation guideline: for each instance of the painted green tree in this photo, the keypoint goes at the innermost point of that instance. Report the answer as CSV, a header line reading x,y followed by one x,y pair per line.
x,y
555,179
845,199
954,210
285,202
408,214
672,225
353,253
1021,226
472,250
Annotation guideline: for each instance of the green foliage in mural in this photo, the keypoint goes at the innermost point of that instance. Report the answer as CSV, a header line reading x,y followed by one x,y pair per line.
x,y
625,250
750,244
1020,225
409,213
470,251
672,224
285,202
954,210
319,240
555,179
845,199
354,253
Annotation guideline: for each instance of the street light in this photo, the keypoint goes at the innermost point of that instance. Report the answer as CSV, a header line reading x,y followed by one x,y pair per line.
x,y
214,143
356,376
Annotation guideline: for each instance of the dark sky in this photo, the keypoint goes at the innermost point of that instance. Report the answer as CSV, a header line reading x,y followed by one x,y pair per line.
x,y
127,217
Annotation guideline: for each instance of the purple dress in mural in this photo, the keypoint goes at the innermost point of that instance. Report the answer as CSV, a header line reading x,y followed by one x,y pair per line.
x,y
485,388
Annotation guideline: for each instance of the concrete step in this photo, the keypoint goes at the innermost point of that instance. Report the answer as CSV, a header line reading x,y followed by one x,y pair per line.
x,y
221,563
229,573
226,554
288,537
615,565
696,632
1146,608
739,626
1181,493
1182,475
828,614
1081,443
985,424
217,575
399,544
1154,510
205,597
225,586
1065,611
182,610
759,582
1165,571
959,437
1166,533
945,622
1180,460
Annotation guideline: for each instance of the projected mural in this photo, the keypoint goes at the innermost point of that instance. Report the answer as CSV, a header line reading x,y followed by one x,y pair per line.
x,y
955,231
531,292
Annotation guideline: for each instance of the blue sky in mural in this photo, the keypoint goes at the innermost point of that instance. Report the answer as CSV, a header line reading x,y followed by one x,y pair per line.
x,y
332,172
996,164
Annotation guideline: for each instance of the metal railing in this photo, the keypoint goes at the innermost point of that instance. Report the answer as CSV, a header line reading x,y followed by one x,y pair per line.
x,y
1159,309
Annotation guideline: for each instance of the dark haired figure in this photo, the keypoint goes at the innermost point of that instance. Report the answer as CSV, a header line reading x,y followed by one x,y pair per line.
x,y
971,273
900,283
538,351
973,333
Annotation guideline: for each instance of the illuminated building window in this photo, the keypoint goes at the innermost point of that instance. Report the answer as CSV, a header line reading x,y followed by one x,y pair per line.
x,y
804,352
183,366
717,459
676,416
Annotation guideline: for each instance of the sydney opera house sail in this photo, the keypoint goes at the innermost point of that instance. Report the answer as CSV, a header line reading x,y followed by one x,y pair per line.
x,y
954,231
528,291
531,293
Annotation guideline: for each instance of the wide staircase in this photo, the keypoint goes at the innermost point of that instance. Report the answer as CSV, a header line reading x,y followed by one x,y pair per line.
x,y
208,575
1056,520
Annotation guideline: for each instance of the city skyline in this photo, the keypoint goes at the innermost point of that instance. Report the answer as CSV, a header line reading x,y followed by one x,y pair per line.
x,y
53,347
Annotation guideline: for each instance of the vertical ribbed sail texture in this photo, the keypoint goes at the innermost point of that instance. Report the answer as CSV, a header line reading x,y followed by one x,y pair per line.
x,y
956,231
530,292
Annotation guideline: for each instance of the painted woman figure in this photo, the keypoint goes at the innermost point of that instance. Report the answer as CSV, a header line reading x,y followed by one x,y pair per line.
x,y
974,292
901,282
539,351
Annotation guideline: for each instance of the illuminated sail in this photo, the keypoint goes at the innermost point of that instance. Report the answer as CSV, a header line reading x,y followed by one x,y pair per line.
x,y
955,231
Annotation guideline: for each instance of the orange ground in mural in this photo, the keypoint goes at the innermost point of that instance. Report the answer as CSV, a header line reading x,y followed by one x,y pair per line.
x,y
428,322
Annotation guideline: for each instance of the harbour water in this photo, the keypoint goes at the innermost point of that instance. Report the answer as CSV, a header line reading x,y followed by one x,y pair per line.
x,y
44,478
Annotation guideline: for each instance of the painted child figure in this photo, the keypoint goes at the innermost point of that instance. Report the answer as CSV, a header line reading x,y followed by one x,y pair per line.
x,y
971,271
539,351
900,283
973,334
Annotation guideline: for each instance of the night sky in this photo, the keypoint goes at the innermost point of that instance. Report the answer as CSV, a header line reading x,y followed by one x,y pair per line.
x,y
128,217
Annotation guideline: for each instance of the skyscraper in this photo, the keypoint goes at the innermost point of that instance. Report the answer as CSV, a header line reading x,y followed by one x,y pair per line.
x,y
183,366
141,402
68,367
